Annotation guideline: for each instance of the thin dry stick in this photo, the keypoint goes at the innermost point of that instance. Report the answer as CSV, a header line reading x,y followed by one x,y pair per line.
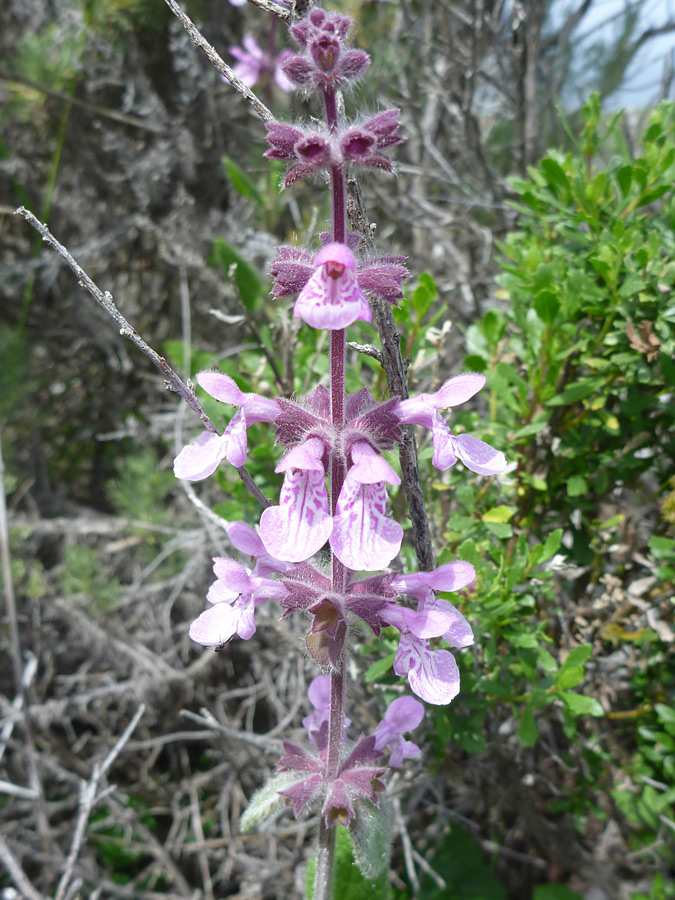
x,y
394,366
88,798
105,301
271,6
200,41
262,742
17,666
17,703
16,873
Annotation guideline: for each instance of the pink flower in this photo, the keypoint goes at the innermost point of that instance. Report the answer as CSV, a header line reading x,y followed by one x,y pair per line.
x,y
201,458
380,276
317,722
300,526
332,298
433,674
234,595
253,63
363,538
324,63
404,714
448,448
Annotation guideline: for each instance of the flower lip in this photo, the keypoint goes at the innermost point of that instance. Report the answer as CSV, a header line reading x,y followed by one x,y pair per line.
x,y
338,254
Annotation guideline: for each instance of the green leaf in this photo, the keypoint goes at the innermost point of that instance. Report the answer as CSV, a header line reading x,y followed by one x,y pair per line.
x,y
380,667
500,529
576,486
499,514
349,883
528,733
249,281
551,545
580,705
547,306
554,172
662,547
555,892
579,390
267,800
460,864
631,286
372,834
241,182
423,295
624,176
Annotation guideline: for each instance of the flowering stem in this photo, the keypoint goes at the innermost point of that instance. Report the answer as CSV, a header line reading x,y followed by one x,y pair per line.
x,y
338,471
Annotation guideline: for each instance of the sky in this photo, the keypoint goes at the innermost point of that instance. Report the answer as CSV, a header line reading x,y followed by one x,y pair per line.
x,y
645,75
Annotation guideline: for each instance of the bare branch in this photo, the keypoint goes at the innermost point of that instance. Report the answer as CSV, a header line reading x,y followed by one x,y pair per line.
x,y
215,59
88,798
270,6
395,369
16,873
105,301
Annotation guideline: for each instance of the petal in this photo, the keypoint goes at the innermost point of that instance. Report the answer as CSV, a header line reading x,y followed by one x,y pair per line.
x,y
445,454
336,253
450,577
218,593
200,458
233,575
300,526
246,620
479,456
458,632
307,456
369,467
222,387
236,439
332,303
215,626
363,537
456,390
433,674
431,620
404,714
319,692
415,411
246,539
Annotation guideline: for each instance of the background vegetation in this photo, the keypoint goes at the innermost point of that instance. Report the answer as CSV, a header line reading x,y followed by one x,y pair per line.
x,y
551,775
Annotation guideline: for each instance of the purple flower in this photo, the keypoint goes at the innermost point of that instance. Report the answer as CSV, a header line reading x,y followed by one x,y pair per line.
x,y
311,149
404,714
324,63
332,298
423,410
363,537
234,595
253,63
300,526
317,722
247,540
433,674
201,458
380,276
